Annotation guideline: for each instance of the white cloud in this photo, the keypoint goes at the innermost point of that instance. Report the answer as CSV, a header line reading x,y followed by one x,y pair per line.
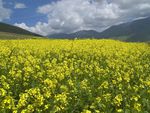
x,y
39,28
20,6
4,12
133,8
73,15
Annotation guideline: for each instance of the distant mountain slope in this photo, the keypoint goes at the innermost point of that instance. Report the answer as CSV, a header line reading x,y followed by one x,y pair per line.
x,y
79,34
138,30
60,35
86,33
15,30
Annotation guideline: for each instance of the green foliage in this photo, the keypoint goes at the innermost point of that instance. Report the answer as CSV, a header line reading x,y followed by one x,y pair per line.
x,y
73,76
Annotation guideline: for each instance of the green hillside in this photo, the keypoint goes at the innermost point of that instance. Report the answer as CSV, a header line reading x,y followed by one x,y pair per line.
x,y
6,35
135,31
12,32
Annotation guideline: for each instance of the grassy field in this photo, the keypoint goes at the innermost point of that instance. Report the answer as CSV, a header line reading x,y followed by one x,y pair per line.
x,y
74,76
12,36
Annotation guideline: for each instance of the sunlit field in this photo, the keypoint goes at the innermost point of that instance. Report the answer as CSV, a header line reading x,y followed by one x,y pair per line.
x,y
74,76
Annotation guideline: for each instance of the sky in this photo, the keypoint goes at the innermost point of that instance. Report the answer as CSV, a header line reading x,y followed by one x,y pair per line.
x,y
66,16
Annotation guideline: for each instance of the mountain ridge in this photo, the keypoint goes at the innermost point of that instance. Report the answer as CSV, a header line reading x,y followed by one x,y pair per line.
x,y
137,30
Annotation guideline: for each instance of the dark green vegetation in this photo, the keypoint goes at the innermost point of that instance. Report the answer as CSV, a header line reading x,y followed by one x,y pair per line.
x,y
136,31
12,32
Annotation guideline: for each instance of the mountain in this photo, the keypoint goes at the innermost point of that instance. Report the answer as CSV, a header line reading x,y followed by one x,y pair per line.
x,y
10,31
85,34
60,35
138,30
79,34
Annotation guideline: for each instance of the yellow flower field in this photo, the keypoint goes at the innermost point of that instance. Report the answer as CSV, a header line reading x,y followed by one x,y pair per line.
x,y
74,76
